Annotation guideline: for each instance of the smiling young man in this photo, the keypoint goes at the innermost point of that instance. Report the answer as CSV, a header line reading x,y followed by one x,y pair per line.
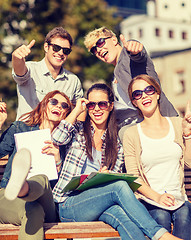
x,y
129,61
35,79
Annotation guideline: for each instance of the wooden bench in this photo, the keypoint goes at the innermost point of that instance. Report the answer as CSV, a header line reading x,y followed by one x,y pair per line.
x,y
68,230
64,230
187,180
73,230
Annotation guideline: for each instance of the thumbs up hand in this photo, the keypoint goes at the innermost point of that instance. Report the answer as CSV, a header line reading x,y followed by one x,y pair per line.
x,y
23,51
132,46
186,123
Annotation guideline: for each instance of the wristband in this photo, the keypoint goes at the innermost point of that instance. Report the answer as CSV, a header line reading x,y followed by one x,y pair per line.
x,y
58,163
187,137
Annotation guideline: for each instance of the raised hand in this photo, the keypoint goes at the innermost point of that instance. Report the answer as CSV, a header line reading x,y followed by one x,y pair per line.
x,y
18,58
132,46
81,104
186,123
23,51
3,113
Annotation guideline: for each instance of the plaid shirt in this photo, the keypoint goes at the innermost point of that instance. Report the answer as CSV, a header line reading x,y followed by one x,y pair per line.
x,y
73,136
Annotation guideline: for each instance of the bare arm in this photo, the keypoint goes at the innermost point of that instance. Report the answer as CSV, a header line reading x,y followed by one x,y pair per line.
x,y
186,128
18,58
77,111
164,199
3,113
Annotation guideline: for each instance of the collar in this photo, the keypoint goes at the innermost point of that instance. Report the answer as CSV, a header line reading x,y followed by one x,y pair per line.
x,y
45,71
103,136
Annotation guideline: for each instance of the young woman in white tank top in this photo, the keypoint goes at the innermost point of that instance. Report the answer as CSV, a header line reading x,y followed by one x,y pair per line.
x,y
155,151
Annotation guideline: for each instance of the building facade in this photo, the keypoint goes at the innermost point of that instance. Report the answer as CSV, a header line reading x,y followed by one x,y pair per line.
x,y
165,31
174,72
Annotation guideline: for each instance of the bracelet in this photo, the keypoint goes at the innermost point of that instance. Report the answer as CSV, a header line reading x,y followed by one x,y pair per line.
x,y
58,163
187,137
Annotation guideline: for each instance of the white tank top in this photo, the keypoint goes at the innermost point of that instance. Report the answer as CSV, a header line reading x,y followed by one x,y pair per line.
x,y
160,159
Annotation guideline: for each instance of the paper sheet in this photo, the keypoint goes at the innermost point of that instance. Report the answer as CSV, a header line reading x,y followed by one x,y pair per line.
x,y
41,163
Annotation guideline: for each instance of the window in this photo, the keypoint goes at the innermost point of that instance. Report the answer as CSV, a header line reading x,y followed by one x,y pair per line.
x,y
182,112
171,34
184,35
157,32
179,83
140,33
183,4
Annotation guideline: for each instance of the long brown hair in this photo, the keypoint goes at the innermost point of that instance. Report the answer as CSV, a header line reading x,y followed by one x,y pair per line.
x,y
39,114
111,134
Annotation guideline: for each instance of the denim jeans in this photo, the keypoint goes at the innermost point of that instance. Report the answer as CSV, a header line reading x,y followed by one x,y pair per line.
x,y
115,204
181,219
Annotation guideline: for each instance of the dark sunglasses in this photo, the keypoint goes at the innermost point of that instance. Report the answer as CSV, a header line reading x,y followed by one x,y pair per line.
x,y
149,90
100,43
103,105
54,102
57,48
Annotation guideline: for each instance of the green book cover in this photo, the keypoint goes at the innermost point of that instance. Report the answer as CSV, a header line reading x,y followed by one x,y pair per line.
x,y
84,182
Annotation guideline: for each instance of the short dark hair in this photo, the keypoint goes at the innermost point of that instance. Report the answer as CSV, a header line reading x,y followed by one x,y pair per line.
x,y
58,32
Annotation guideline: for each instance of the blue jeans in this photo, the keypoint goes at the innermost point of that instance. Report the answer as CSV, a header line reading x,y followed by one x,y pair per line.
x,y
115,204
181,219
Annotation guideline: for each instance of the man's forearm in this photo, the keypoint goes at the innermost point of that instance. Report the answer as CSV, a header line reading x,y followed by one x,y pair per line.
x,y
19,66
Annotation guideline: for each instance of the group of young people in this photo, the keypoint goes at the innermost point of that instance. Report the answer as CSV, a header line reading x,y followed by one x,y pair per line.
x,y
157,139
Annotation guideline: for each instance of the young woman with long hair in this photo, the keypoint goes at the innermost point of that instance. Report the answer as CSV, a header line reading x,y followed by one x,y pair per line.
x,y
30,203
94,146
155,151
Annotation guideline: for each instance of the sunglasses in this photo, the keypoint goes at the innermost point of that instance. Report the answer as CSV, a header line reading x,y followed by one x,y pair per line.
x,y
149,90
54,102
100,43
103,105
57,48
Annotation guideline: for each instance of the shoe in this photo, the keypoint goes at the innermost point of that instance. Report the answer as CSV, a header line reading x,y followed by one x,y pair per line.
x,y
20,168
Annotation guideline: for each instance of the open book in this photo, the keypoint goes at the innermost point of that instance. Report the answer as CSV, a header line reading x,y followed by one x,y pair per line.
x,y
84,182
34,142
178,203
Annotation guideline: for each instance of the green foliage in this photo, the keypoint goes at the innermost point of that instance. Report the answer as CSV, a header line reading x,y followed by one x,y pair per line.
x,y
24,20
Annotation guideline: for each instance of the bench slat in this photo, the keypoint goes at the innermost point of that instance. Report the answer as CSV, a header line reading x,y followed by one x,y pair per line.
x,y
64,230
80,230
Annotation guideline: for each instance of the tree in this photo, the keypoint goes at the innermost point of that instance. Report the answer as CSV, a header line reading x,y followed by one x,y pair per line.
x,y
24,20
